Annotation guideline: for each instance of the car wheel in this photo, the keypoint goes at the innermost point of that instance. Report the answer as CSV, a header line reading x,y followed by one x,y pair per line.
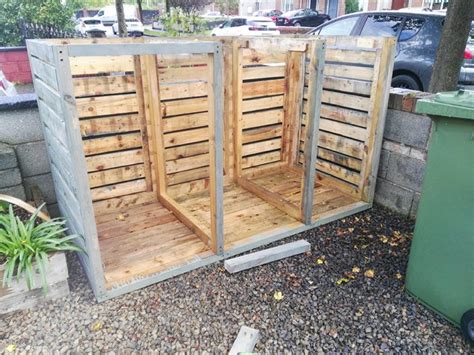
x,y
467,325
297,24
405,81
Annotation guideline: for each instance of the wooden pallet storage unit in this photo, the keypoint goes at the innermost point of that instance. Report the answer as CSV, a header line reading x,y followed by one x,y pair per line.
x,y
169,155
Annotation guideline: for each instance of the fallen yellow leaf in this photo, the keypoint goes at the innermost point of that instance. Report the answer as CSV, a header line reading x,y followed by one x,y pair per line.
x,y
278,296
383,239
369,273
399,276
350,229
342,280
97,326
320,261
355,269
11,348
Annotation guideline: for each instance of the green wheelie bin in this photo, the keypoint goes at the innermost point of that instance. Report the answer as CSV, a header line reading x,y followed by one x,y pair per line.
x,y
441,265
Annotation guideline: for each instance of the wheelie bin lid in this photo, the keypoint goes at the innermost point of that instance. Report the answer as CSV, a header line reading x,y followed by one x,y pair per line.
x,y
458,104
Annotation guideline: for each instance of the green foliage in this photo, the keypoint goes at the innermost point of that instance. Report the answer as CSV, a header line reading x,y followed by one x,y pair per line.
x,y
179,23
24,244
351,6
227,7
45,12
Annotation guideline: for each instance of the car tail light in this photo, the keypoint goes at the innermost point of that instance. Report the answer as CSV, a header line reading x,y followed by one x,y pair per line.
x,y
468,54
286,20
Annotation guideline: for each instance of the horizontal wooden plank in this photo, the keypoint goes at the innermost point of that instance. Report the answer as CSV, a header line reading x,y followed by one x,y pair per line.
x,y
183,90
172,75
113,176
112,143
343,129
263,72
344,100
355,56
351,42
108,125
254,56
344,115
181,107
54,122
348,71
261,133
122,202
113,160
341,144
186,137
262,118
50,97
263,88
177,165
256,160
186,176
263,103
46,72
187,188
188,150
261,147
96,65
338,171
185,59
185,122
103,85
335,157
121,189
106,105
359,87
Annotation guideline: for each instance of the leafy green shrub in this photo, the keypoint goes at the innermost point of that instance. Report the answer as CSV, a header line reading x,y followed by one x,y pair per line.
x,y
42,12
351,6
23,244
179,23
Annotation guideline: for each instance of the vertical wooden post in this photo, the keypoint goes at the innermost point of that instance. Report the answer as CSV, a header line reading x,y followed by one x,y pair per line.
x,y
142,119
238,119
156,122
216,156
379,95
315,91
82,190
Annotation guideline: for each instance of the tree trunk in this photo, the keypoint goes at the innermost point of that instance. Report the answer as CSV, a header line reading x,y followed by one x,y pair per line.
x,y
122,27
140,15
167,6
450,53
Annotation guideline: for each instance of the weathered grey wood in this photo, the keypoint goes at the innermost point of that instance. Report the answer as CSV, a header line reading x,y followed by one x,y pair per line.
x,y
84,50
48,95
245,341
315,92
218,145
81,190
45,71
40,49
17,296
266,256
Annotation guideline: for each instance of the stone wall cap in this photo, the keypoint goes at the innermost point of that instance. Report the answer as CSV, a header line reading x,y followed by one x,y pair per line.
x,y
18,102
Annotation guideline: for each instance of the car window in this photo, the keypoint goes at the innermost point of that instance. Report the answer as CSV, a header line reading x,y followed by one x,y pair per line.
x,y
238,22
410,28
227,23
381,25
92,22
100,13
342,27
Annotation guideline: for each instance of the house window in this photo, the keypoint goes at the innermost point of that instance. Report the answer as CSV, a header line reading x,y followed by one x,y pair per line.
x,y
287,5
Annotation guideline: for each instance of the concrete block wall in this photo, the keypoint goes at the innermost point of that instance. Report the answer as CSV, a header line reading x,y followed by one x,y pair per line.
x,y
23,155
404,153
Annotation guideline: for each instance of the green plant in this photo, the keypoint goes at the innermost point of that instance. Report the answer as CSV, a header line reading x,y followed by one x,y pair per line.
x,y
177,22
24,244
351,6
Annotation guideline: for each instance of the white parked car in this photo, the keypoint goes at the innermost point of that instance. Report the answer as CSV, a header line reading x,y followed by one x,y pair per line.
x,y
246,26
108,14
134,27
86,24
212,15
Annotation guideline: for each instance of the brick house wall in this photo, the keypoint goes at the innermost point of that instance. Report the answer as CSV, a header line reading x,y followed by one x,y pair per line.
x,y
15,65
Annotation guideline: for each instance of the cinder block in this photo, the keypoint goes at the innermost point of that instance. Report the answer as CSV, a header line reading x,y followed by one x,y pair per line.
x,y
7,157
393,197
16,191
406,172
20,126
46,185
407,128
33,158
10,177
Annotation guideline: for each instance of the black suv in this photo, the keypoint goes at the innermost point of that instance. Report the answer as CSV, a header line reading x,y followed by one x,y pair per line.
x,y
418,35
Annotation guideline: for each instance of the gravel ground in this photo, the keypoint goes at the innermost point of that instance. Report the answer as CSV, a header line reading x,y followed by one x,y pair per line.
x,y
345,295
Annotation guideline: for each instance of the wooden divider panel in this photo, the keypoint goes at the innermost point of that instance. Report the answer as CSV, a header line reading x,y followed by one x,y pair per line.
x,y
348,118
112,125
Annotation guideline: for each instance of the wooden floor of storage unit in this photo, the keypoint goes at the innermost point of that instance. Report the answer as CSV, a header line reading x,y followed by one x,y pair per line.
x,y
288,185
144,240
245,215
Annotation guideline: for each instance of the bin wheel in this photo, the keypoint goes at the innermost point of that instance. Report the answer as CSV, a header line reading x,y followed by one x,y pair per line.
x,y
467,325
